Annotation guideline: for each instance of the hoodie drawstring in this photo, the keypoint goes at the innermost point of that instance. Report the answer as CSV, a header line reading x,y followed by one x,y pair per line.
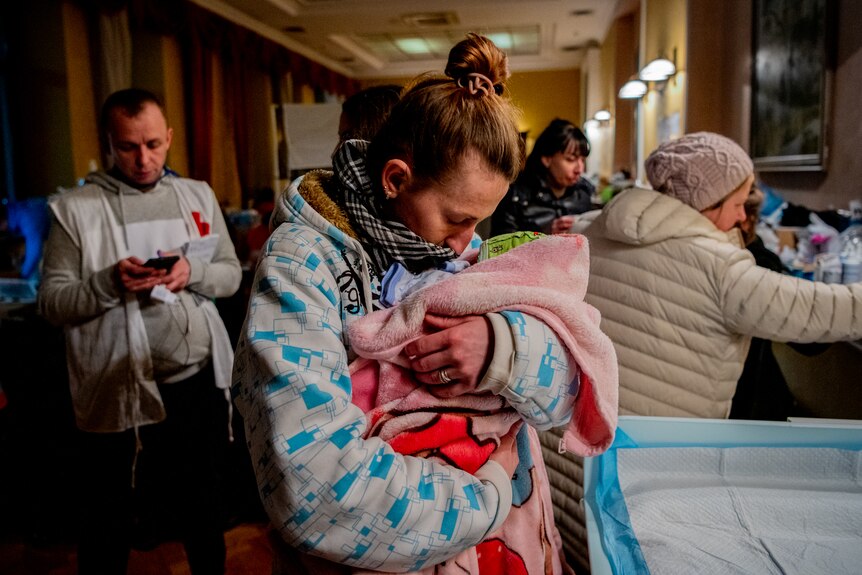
x,y
123,220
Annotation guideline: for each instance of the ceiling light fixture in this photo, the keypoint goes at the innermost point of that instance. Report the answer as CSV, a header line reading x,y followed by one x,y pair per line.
x,y
430,19
503,40
412,46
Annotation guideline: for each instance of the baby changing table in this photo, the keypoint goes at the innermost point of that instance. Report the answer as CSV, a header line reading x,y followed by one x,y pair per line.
x,y
677,495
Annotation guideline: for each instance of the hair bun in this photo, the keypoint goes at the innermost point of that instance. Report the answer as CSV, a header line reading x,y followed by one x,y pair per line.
x,y
475,83
478,65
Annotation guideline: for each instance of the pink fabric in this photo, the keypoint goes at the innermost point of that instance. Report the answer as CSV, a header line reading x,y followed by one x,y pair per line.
x,y
546,279
461,431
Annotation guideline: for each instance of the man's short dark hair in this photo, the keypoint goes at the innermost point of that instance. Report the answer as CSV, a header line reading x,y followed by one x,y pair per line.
x,y
131,101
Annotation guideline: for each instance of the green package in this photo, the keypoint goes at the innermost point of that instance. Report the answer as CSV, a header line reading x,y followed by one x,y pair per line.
x,y
505,242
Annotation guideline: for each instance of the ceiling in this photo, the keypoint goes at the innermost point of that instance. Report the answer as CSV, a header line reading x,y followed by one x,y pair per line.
x,y
394,38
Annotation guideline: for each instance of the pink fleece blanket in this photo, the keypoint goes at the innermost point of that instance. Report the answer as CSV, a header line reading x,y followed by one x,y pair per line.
x,y
547,279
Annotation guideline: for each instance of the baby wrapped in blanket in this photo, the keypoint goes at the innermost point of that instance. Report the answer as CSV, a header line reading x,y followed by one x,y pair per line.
x,y
546,279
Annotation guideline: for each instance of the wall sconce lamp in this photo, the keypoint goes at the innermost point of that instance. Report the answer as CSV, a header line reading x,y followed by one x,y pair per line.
x,y
599,119
633,89
657,72
602,116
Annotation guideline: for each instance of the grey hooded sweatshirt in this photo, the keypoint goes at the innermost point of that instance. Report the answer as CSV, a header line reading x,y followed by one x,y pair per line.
x,y
119,345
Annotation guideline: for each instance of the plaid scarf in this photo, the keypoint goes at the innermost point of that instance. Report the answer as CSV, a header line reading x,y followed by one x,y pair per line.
x,y
387,241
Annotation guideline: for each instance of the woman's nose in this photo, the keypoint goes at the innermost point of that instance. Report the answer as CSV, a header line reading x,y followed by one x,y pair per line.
x,y
459,242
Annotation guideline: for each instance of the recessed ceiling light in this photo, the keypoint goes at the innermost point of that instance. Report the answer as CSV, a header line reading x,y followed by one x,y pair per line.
x,y
503,40
412,45
582,12
430,19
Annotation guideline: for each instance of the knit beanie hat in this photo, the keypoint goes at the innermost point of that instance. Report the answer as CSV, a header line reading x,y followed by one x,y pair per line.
x,y
699,169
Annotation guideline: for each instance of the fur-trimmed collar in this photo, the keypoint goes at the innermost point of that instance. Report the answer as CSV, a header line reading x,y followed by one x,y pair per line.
x,y
319,189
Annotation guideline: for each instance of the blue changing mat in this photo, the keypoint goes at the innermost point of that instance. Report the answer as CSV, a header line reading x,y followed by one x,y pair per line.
x,y
726,497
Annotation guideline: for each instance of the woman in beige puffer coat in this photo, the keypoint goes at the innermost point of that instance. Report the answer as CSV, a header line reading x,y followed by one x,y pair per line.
x,y
681,298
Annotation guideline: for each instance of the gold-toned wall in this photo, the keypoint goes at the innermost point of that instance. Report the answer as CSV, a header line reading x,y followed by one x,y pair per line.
x,y
608,64
543,96
664,112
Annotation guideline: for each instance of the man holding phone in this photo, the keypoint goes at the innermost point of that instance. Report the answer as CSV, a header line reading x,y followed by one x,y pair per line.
x,y
161,262
149,358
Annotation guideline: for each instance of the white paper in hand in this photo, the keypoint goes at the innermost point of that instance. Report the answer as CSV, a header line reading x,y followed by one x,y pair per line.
x,y
202,248
163,294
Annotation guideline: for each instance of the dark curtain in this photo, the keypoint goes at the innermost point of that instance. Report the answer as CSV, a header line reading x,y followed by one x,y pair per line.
x,y
203,35
7,182
236,83
198,53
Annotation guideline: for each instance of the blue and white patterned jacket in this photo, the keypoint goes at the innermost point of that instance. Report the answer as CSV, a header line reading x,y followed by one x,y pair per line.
x,y
327,491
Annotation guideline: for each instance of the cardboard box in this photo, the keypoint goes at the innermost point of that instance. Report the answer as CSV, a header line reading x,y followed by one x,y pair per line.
x,y
786,237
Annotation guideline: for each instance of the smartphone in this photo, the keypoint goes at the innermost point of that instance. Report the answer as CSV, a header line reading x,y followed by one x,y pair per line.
x,y
162,263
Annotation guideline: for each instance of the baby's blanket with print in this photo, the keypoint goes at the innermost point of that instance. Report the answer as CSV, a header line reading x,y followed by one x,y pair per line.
x,y
546,279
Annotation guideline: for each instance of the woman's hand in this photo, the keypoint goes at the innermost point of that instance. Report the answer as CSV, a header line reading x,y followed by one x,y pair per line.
x,y
460,351
506,453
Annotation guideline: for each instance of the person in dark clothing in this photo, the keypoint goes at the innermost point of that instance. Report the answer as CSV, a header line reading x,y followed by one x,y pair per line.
x,y
550,191
762,391
364,112
764,257
148,355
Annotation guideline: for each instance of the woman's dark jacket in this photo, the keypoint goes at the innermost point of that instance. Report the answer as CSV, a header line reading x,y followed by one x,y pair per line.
x,y
530,205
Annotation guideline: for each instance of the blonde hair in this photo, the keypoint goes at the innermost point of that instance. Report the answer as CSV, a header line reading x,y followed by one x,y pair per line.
x,y
441,119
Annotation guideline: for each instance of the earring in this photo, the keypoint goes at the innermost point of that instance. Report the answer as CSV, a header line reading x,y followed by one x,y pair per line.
x,y
388,193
